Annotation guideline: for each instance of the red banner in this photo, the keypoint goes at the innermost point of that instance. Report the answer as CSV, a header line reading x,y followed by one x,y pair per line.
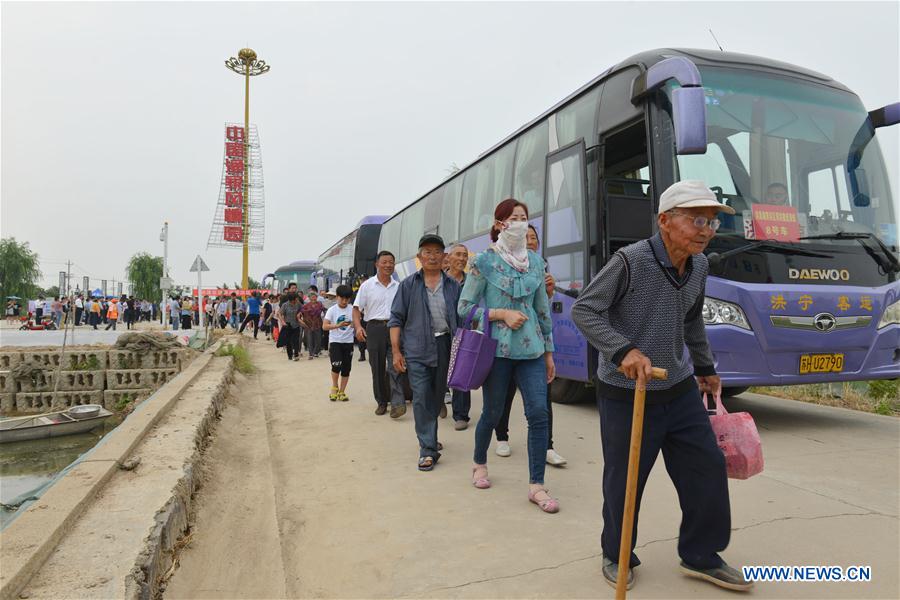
x,y
771,222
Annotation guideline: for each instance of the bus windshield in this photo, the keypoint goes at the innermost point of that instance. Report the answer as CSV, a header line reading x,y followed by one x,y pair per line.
x,y
802,148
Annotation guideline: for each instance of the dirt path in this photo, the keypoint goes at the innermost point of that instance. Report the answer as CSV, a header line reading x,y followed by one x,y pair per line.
x,y
309,498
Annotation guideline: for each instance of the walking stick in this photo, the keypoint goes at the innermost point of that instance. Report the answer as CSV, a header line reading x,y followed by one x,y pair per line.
x,y
634,460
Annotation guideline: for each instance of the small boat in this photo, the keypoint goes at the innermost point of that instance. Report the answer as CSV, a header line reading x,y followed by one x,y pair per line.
x,y
78,419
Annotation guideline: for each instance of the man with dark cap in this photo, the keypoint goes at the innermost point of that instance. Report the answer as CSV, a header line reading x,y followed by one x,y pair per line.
x,y
422,324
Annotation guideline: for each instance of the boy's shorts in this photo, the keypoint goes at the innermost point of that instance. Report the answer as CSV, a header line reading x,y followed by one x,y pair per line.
x,y
341,355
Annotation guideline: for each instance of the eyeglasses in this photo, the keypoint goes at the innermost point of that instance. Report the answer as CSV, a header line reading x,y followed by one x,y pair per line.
x,y
701,222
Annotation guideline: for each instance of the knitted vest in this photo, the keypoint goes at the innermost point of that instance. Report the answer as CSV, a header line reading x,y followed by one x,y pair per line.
x,y
651,315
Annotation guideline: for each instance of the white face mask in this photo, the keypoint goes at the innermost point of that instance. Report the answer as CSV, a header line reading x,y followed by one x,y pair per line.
x,y
513,237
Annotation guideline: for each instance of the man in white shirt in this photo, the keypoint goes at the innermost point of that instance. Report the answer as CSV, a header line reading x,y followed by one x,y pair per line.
x,y
374,298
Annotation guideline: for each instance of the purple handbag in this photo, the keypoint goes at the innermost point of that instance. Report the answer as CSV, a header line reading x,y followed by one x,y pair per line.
x,y
471,355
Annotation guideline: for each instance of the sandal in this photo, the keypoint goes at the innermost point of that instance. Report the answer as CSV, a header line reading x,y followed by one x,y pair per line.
x,y
482,483
426,463
548,505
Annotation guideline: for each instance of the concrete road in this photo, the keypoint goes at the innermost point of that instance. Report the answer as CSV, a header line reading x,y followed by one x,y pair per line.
x,y
309,498
82,335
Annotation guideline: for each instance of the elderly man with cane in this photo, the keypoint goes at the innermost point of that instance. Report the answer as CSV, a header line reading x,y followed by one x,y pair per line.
x,y
640,312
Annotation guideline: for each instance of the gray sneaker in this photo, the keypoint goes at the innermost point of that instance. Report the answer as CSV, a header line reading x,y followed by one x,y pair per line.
x,y
611,574
723,576
460,425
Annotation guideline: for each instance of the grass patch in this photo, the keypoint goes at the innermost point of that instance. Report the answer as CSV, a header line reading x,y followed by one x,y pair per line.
x,y
122,402
240,355
880,397
91,364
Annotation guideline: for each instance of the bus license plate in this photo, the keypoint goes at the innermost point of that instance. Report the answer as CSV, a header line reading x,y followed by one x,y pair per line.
x,y
821,363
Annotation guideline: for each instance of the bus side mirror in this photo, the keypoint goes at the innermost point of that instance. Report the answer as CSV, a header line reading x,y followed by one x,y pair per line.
x,y
886,115
689,115
688,100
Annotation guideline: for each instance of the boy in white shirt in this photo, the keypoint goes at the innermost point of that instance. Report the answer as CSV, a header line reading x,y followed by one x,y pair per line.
x,y
339,323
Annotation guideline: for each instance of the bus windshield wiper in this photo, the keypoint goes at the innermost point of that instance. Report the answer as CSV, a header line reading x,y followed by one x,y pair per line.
x,y
886,259
717,260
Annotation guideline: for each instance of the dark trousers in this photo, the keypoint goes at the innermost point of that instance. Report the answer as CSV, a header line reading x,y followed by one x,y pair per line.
x,y
696,465
186,321
462,403
502,429
428,387
292,343
314,341
78,312
251,318
362,345
386,384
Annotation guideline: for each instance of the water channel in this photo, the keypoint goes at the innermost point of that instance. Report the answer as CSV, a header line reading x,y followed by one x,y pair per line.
x,y
25,466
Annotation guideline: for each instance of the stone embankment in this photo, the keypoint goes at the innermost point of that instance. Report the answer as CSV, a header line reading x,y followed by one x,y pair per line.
x,y
87,376
108,527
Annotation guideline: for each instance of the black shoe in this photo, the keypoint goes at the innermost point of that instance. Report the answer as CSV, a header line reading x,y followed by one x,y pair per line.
x,y
722,576
382,408
362,358
611,574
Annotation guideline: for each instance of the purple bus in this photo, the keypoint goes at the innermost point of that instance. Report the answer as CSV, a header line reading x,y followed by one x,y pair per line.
x,y
804,278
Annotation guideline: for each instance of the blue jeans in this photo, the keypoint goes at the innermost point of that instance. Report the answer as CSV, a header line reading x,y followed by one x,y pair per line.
x,y
234,321
428,386
462,402
531,377
174,321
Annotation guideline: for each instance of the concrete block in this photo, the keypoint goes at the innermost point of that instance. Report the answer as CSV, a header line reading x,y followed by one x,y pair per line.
x,y
42,381
48,359
9,359
34,402
7,403
157,359
85,359
81,380
124,379
123,359
112,397
7,383
38,402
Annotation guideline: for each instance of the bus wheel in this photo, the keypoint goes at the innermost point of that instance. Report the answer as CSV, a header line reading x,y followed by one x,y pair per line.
x,y
566,391
728,392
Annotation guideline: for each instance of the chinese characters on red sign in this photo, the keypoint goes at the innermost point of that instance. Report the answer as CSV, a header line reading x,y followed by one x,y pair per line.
x,y
771,222
234,184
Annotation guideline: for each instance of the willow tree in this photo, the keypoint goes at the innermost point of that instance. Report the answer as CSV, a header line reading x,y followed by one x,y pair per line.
x,y
144,271
19,269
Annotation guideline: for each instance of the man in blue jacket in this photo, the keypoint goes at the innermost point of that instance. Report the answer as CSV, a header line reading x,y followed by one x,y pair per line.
x,y
422,324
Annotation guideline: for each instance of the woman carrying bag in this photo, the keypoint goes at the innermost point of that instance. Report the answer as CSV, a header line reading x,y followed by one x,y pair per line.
x,y
509,278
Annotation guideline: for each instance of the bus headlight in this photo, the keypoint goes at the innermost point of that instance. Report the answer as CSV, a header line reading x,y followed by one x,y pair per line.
x,y
891,315
719,312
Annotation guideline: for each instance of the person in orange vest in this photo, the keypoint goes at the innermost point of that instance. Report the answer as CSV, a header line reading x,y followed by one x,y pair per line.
x,y
112,314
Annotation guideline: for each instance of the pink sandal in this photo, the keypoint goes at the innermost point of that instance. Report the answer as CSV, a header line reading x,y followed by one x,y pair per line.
x,y
482,483
550,505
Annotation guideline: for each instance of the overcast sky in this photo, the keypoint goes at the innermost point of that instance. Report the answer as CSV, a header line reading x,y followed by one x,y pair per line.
x,y
112,114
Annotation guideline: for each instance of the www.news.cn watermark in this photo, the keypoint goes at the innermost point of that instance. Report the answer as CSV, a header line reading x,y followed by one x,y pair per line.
x,y
817,573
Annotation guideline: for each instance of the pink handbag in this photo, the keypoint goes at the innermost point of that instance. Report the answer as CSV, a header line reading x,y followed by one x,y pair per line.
x,y
738,438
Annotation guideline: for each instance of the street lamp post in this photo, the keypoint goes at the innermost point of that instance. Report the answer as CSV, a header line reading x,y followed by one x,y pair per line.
x,y
246,64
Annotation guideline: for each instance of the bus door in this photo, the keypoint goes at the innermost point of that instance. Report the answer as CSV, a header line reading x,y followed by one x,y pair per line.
x,y
625,198
565,246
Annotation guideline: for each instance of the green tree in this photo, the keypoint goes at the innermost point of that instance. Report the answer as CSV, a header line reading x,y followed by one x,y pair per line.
x,y
19,269
52,292
252,284
144,272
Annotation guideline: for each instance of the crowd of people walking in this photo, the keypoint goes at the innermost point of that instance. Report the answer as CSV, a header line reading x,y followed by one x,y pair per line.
x,y
643,308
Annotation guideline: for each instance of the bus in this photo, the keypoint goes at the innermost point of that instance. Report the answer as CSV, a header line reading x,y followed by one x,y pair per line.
x,y
803,292
351,257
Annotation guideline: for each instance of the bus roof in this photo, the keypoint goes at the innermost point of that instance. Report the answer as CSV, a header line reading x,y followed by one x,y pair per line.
x,y
645,60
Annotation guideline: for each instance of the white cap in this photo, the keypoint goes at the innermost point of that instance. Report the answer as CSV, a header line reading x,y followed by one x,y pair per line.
x,y
691,193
